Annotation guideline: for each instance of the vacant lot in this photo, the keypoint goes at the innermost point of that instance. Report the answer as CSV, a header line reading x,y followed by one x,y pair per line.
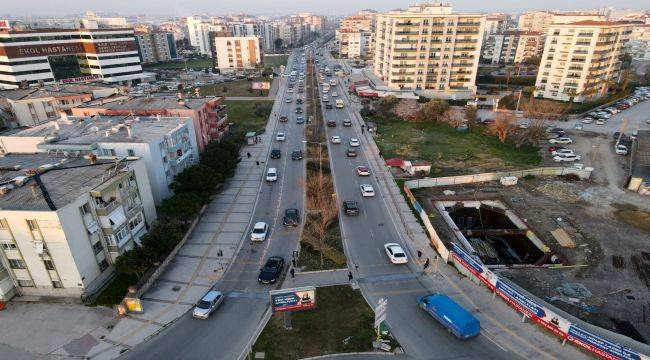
x,y
451,152
234,88
340,313
191,63
248,115
275,61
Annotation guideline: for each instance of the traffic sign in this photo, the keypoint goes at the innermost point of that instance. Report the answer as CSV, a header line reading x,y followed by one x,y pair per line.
x,y
380,311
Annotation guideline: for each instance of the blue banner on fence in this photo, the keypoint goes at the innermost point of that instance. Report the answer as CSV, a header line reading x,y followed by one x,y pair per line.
x,y
478,267
521,299
418,207
601,346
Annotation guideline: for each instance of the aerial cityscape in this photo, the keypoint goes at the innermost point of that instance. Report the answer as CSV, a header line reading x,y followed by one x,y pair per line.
x,y
315,180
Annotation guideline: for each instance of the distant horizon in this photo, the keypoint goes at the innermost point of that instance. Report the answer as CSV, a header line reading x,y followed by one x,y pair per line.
x,y
147,8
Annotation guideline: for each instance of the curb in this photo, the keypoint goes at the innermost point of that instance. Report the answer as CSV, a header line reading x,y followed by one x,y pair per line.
x,y
373,353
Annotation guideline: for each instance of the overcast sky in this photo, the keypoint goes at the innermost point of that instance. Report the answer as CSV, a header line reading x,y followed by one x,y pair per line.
x,y
278,7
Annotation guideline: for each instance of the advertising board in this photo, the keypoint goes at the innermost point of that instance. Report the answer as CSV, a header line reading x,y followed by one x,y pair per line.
x,y
261,86
295,299
600,346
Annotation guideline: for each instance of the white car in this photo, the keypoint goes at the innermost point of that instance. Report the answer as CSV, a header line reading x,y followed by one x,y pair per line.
x,y
260,229
395,253
290,90
354,142
367,190
336,139
600,121
561,140
326,98
524,124
620,149
334,94
280,136
340,104
363,171
272,175
208,303
562,152
587,120
566,158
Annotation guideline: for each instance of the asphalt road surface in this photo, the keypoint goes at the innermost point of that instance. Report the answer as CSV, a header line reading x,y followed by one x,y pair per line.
x,y
227,333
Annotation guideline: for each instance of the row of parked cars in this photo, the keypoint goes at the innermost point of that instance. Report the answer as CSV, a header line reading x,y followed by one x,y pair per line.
x,y
602,115
559,152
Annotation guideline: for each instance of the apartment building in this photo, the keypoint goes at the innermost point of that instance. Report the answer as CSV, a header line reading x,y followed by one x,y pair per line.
x,y
209,116
64,221
199,29
639,45
539,21
355,36
512,47
580,59
232,53
429,49
156,46
167,145
33,57
496,23
35,106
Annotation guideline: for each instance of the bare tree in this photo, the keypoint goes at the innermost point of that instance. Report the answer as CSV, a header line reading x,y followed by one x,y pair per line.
x,y
503,125
323,210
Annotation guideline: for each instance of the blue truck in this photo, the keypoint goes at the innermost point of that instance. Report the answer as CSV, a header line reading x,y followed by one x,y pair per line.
x,y
454,317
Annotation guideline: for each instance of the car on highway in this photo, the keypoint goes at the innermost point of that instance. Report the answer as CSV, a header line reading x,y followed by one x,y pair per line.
x,y
208,303
395,253
329,106
339,104
280,136
259,232
333,82
566,158
300,120
351,153
347,122
354,142
336,139
367,190
288,99
561,140
284,118
296,155
290,90
331,123
363,171
291,217
272,270
350,207
298,110
275,154
272,175
298,101
326,98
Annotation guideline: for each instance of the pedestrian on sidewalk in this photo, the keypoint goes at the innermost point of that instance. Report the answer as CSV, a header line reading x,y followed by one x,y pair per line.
x,y
248,154
350,276
258,163
426,264
293,273
419,254
381,154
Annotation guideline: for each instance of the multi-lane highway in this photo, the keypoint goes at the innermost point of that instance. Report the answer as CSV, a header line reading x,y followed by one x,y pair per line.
x,y
364,236
227,333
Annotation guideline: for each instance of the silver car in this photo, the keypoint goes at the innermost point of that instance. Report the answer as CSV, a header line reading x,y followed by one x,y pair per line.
x,y
208,303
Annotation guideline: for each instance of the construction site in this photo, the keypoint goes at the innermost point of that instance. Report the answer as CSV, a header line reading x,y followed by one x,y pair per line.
x,y
558,238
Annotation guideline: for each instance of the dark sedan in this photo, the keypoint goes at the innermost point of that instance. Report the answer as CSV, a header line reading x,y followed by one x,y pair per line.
x,y
298,110
296,155
275,154
351,153
271,270
291,217
351,208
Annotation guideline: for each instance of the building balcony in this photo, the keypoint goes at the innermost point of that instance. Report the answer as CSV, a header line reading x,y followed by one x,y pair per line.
x,y
462,64
403,73
406,33
471,48
466,41
404,57
104,209
402,81
407,23
406,41
469,24
473,32
403,66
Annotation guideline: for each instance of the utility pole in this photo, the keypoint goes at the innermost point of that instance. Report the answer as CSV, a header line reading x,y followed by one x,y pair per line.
x,y
519,99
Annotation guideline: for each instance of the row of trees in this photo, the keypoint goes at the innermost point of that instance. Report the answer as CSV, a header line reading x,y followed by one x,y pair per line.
x,y
192,189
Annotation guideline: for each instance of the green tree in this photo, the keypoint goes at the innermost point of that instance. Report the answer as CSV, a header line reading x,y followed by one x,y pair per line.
x,y
133,262
183,206
278,43
508,102
164,88
262,109
162,238
199,179
434,110
385,106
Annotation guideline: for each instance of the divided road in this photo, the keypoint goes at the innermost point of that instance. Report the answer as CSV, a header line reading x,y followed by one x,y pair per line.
x,y
227,333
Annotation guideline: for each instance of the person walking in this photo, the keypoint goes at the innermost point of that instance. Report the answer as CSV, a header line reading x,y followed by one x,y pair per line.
x,y
419,254
248,154
258,163
350,276
293,273
426,264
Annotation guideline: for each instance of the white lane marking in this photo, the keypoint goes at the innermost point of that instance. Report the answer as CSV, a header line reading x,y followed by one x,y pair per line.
x,y
494,341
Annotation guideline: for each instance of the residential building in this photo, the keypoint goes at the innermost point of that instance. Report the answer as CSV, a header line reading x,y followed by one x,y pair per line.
x,y
639,45
496,23
355,36
232,53
156,46
199,29
512,47
35,106
64,221
209,116
581,59
429,49
33,57
167,145
270,32
539,21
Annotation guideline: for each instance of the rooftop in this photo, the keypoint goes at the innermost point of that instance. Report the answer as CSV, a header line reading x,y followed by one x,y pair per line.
x,y
53,91
596,23
151,103
641,159
66,180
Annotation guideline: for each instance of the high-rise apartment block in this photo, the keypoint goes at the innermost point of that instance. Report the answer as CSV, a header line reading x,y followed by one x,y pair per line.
x,y
639,45
580,59
512,47
156,46
232,53
355,35
429,49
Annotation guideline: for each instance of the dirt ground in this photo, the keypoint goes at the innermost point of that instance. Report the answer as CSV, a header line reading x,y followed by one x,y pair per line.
x,y
609,228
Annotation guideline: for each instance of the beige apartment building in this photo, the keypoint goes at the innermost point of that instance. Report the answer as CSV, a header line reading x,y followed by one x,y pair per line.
x,y
232,53
581,59
355,36
429,49
539,21
512,47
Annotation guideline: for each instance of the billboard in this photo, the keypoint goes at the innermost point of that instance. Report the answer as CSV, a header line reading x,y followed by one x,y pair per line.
x,y
4,24
79,79
261,86
600,346
295,299
106,47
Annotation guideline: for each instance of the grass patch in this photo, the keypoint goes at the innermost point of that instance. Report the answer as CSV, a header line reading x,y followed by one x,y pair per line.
x,y
114,292
191,63
248,115
635,218
340,313
234,88
275,61
451,152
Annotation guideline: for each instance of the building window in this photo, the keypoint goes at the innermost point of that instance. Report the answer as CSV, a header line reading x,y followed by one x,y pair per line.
x,y
130,152
103,265
32,224
8,246
98,247
57,284
4,225
49,264
25,283
17,264
85,209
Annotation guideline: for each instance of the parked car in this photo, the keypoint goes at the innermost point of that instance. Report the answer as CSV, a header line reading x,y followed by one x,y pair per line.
x,y
351,208
336,139
363,171
620,149
524,124
298,101
272,270
280,136
208,303
291,217
561,140
296,155
563,151
272,175
566,158
395,253
587,120
259,232
367,190
600,121
275,154
351,153
354,142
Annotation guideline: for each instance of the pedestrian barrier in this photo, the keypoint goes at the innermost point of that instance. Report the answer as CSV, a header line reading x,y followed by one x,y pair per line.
x,y
436,242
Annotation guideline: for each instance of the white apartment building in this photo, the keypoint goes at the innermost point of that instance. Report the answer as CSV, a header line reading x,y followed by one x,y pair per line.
x,y
539,21
270,32
64,221
166,145
429,49
199,29
512,47
355,36
496,23
580,59
231,53
639,45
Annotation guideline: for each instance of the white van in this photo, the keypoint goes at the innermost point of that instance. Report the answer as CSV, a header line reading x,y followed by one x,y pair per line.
x,y
339,104
272,175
